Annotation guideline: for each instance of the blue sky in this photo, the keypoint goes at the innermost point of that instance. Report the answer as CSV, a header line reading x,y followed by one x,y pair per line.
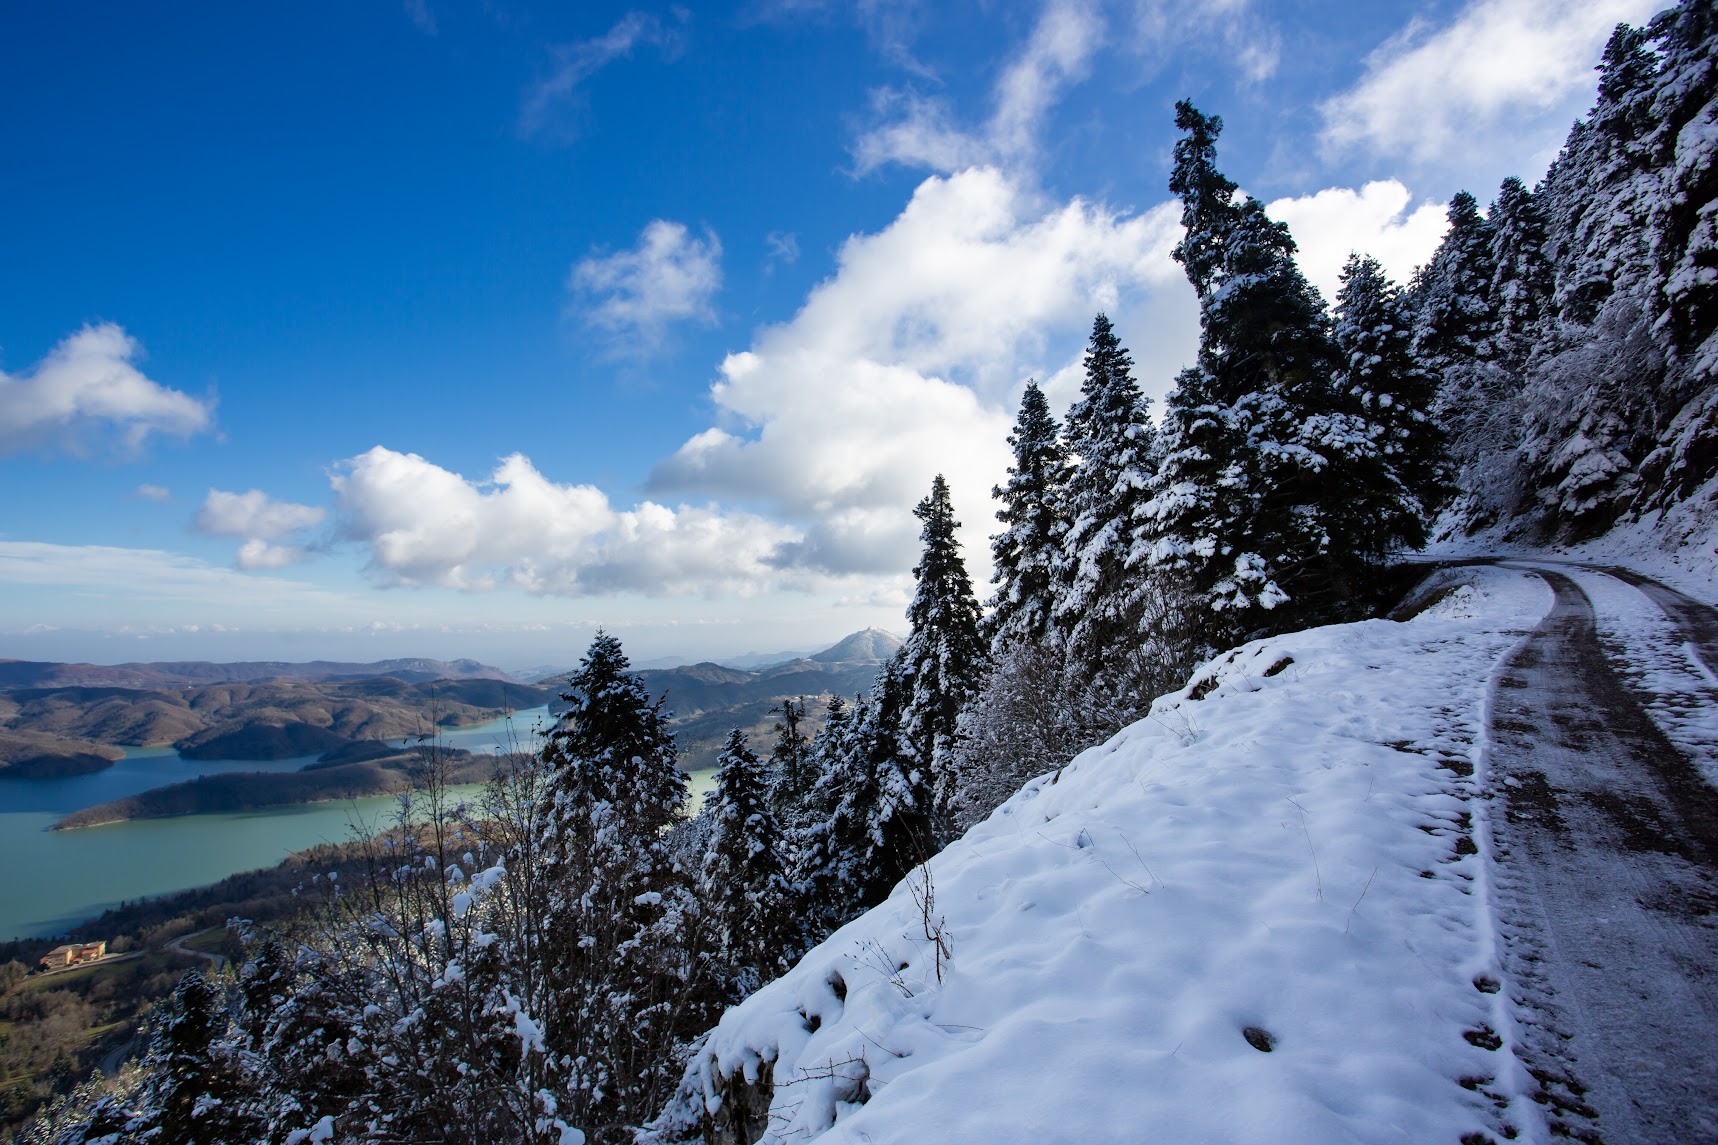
x,y
456,328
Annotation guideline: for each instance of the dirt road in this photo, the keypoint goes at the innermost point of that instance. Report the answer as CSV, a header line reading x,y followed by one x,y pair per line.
x,y
1607,871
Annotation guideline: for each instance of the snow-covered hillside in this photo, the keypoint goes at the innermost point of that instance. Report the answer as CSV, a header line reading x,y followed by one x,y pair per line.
x,y
1256,915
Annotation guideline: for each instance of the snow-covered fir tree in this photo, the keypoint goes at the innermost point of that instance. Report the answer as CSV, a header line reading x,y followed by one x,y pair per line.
x,y
1023,555
750,917
194,1096
1406,480
1262,448
1110,438
790,767
613,941
938,668
1522,282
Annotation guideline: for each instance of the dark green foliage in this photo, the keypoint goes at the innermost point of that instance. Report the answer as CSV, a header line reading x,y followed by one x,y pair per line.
x,y
1261,448
1104,540
743,884
1404,481
1023,554
930,679
195,1097
613,930
791,767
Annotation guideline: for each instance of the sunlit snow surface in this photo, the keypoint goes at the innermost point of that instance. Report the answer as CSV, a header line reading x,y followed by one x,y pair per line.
x,y
1256,858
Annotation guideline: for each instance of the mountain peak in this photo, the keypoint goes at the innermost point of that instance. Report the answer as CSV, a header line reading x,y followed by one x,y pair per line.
x,y
868,644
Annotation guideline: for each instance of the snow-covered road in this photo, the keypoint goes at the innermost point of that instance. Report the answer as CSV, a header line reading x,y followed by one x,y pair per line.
x,y
1607,866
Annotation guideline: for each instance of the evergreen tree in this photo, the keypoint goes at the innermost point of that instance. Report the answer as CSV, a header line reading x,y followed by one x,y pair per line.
x,y
1261,448
1455,322
1522,281
744,882
1406,482
195,1097
1110,436
790,771
1207,198
937,669
1023,555
616,902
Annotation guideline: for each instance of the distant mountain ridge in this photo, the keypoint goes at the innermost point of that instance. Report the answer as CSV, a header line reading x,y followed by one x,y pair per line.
x,y
19,674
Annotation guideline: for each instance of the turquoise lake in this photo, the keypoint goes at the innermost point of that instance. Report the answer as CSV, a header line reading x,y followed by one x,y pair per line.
x,y
61,878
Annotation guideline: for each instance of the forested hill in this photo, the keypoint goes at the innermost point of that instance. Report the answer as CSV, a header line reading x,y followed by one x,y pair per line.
x,y
16,674
1574,326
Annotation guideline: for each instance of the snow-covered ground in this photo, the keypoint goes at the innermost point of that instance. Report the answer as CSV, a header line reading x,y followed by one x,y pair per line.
x,y
1678,691
1677,546
1256,915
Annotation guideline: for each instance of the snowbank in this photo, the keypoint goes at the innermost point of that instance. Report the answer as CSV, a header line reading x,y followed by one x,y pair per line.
x,y
1280,856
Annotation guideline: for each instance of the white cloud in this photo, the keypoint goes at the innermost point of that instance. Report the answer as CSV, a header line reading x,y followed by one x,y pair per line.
x,y
254,514
1331,224
907,362
260,520
88,390
670,276
425,525
921,132
1503,71
259,554
1165,29
547,103
147,492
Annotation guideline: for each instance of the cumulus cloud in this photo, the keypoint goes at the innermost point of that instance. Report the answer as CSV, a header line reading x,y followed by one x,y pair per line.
x,y
670,276
907,363
147,492
254,514
920,132
1375,220
551,101
260,520
88,392
425,525
1431,93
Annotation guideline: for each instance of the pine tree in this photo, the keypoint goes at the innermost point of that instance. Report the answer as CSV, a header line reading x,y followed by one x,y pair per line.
x,y
1207,197
195,1096
1260,447
1454,319
743,882
937,669
790,770
616,902
1023,555
1523,282
1110,436
1406,483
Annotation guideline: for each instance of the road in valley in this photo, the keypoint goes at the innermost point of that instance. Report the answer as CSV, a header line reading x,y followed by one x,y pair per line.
x,y
1606,857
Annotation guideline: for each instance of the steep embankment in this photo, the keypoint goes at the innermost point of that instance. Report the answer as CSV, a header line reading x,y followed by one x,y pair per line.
x,y
1259,914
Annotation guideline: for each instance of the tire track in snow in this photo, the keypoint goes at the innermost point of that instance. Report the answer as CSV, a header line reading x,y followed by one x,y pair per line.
x,y
1697,623
1607,862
